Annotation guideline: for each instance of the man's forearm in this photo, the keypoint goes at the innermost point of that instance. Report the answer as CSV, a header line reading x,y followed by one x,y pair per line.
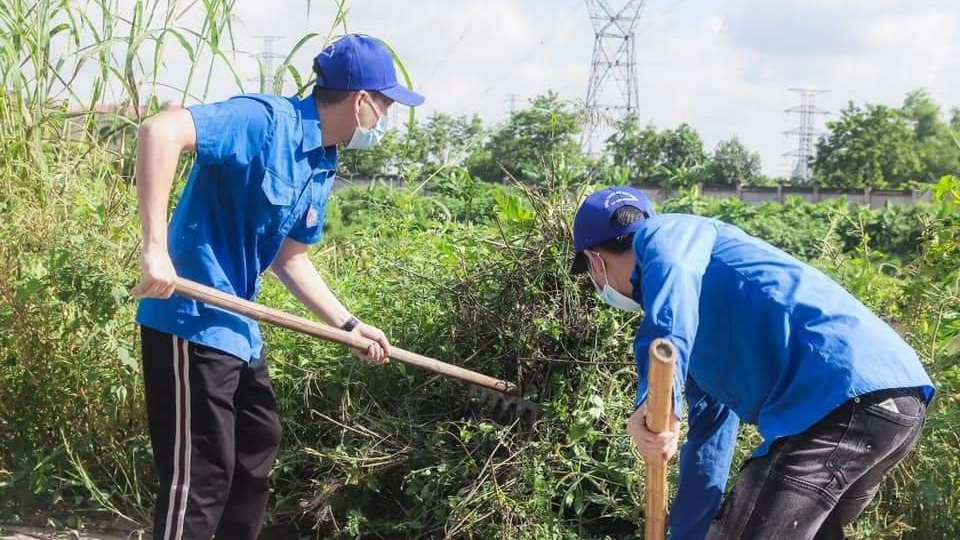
x,y
302,279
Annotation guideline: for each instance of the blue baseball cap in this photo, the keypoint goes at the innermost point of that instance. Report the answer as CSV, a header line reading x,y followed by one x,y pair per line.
x,y
592,224
359,62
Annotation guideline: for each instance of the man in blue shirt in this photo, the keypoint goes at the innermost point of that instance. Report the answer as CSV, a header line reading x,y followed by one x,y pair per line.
x,y
765,339
256,199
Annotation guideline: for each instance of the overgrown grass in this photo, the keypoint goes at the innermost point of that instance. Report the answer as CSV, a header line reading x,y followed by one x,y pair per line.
x,y
472,273
391,451
71,427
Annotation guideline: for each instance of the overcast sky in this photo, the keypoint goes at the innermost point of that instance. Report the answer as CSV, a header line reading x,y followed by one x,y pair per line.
x,y
723,66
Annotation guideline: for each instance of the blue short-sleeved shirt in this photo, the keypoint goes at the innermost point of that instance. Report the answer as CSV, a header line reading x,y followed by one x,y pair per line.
x,y
261,175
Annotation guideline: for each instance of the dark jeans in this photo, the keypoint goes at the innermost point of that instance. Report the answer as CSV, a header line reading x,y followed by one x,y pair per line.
x,y
811,484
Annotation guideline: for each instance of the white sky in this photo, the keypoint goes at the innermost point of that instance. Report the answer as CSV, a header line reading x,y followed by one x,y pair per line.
x,y
723,66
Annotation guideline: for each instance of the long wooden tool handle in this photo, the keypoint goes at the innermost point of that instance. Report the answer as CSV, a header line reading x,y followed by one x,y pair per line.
x,y
663,358
229,302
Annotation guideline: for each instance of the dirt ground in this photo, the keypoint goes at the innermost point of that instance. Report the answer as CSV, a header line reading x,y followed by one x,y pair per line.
x,y
16,532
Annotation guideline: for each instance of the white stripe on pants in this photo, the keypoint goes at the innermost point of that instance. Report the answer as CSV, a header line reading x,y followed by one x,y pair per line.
x,y
180,487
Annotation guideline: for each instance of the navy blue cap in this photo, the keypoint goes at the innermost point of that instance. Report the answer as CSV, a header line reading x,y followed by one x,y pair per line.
x,y
591,225
358,62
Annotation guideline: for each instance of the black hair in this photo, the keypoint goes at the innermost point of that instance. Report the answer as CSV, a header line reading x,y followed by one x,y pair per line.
x,y
623,216
329,96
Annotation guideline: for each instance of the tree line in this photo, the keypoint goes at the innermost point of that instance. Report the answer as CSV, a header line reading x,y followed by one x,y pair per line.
x,y
867,144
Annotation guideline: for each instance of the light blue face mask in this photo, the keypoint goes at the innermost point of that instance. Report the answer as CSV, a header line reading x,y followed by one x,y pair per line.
x,y
612,296
364,137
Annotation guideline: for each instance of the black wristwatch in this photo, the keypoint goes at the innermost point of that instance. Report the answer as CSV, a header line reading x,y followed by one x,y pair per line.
x,y
350,324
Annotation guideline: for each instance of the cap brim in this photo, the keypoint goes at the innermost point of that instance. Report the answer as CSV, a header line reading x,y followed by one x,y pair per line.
x,y
403,96
579,265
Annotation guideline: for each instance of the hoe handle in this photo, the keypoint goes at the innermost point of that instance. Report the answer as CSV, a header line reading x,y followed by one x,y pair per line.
x,y
663,358
229,302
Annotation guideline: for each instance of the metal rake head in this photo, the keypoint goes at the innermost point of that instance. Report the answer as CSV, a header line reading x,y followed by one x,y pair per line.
x,y
504,408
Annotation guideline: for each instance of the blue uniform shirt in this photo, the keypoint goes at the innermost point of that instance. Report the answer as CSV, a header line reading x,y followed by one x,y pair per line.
x,y
761,338
261,174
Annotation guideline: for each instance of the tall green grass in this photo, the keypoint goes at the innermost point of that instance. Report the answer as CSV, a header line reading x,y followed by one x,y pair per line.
x,y
71,418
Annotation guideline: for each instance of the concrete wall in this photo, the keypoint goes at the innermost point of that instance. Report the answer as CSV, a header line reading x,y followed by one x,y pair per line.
x,y
876,198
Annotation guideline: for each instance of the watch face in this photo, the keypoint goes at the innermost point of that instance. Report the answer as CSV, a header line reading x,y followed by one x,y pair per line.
x,y
350,324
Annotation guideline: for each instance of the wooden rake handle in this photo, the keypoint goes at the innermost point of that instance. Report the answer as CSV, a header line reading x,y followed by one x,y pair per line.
x,y
663,359
220,299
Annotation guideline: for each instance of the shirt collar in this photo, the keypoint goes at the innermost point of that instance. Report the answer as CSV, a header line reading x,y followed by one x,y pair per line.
x,y
310,120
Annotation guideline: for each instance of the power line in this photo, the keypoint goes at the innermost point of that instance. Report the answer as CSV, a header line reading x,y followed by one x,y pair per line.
x,y
540,43
562,19
806,132
472,21
671,8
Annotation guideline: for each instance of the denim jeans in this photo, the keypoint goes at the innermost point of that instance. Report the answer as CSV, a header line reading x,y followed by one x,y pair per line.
x,y
811,484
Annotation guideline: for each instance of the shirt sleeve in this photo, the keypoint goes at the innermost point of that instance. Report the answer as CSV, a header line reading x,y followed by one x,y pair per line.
x,y
672,256
309,227
704,464
231,132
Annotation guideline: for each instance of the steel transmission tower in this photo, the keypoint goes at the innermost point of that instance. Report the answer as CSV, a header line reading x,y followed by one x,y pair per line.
x,y
270,81
613,62
806,133
512,100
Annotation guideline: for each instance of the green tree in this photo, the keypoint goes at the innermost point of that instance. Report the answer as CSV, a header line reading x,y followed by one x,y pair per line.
x,y
869,146
440,141
670,157
734,163
444,140
682,147
955,119
683,162
939,153
530,140
635,149
681,175
923,114
939,156
374,162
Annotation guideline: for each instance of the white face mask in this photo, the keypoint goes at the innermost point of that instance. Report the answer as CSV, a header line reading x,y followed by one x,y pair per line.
x,y
612,296
364,137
